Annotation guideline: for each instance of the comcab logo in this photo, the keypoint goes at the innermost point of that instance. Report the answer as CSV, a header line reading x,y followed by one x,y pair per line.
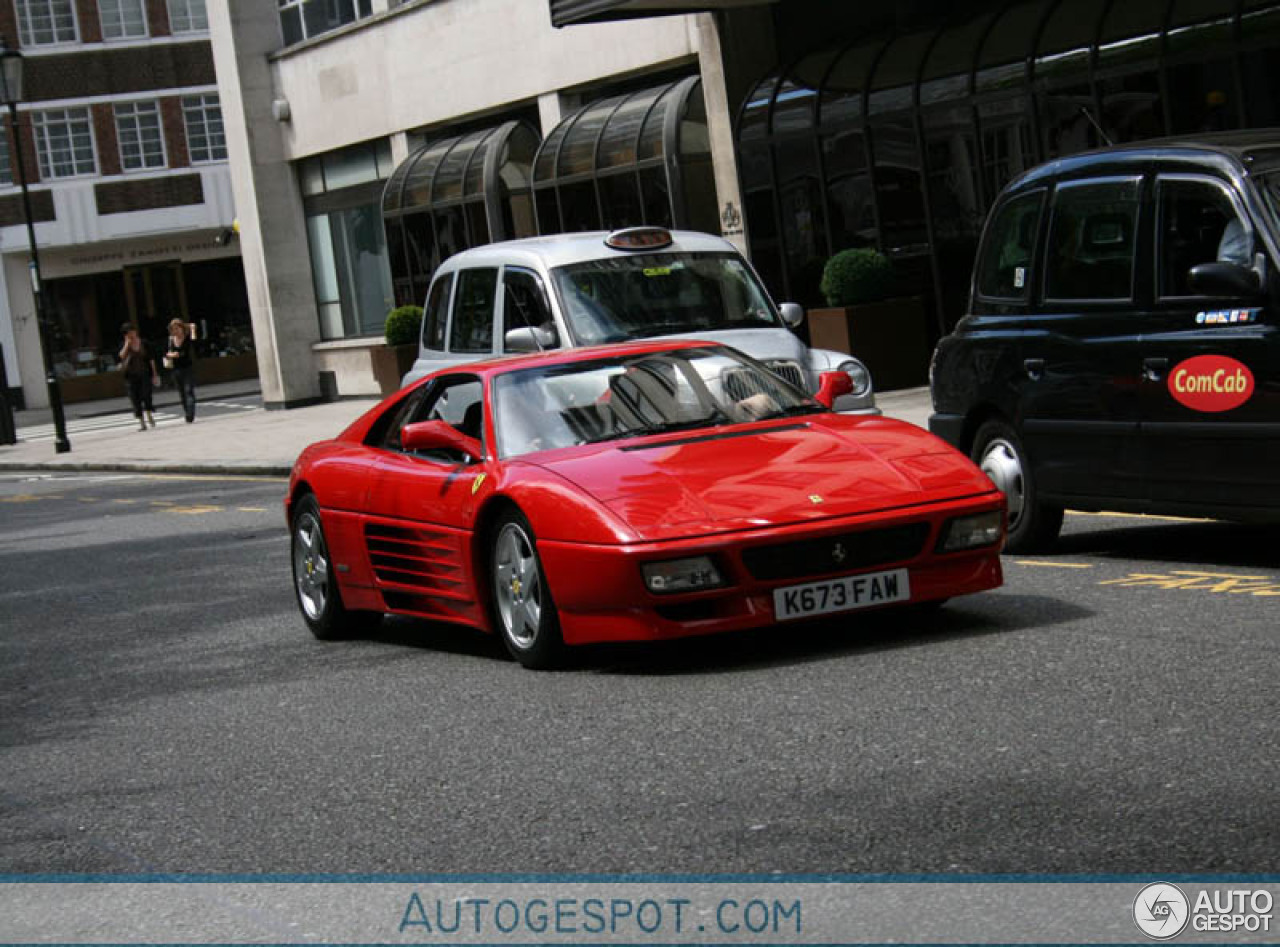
x,y
1211,383
1160,910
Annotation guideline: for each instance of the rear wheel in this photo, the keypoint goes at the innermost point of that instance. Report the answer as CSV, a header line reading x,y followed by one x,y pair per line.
x,y
313,581
525,614
1033,524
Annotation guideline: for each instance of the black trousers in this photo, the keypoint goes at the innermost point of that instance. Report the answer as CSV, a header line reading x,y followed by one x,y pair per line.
x,y
139,394
184,379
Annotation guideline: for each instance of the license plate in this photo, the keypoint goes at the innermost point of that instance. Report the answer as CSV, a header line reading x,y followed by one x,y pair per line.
x,y
842,595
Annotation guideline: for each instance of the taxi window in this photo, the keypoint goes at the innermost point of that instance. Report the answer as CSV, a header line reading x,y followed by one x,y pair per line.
x,y
437,313
1005,269
1091,240
472,328
1198,223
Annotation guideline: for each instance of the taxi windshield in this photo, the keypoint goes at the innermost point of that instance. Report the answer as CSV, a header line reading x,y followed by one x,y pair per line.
x,y
648,393
651,294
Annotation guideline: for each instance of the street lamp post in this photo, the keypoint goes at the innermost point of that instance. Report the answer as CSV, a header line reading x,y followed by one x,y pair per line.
x,y
11,92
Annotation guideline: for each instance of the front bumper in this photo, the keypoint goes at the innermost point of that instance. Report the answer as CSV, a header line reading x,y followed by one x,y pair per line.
x,y
600,595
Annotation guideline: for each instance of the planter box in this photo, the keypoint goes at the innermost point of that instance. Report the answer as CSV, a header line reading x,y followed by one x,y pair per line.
x,y
890,337
390,363
211,371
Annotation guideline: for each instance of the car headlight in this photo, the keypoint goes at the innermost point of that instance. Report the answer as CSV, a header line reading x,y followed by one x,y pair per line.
x,y
858,374
681,575
972,532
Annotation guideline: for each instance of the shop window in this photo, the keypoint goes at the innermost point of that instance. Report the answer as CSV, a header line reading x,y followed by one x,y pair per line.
x,y
472,327
655,197
620,198
1205,93
122,19
1005,270
898,186
548,210
64,142
350,272
138,132
1131,107
578,204
47,22
477,223
1091,241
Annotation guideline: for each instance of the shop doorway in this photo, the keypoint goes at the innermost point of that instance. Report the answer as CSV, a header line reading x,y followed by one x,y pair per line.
x,y
154,294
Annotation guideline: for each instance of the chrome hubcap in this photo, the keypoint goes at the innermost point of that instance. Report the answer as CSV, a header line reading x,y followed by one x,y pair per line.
x,y
518,586
310,566
1000,463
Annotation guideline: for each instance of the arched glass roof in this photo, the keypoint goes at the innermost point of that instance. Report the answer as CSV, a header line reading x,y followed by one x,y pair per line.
x,y
616,133
452,170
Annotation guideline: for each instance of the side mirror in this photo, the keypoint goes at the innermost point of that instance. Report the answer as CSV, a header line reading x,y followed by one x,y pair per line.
x,y
831,385
439,435
1223,279
531,339
792,314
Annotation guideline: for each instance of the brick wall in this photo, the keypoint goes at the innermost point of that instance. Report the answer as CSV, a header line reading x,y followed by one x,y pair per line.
x,y
121,197
175,132
90,24
158,18
108,71
11,209
28,148
9,24
104,135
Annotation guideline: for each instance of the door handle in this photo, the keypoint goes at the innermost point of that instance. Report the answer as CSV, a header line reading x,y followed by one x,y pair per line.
x,y
1034,367
1153,369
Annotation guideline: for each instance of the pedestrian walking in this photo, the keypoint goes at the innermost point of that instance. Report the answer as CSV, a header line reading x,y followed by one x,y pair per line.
x,y
139,374
178,359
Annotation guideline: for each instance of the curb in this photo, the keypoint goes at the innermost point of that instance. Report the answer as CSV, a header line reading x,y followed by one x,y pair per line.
x,y
248,470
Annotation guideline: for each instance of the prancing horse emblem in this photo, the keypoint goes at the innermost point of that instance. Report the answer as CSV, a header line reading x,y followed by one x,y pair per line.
x,y
815,499
837,552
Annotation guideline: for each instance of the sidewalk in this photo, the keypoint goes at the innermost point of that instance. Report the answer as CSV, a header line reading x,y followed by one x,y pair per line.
x,y
256,442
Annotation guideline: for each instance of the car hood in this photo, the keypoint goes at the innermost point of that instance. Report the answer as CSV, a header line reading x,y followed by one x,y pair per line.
x,y
747,477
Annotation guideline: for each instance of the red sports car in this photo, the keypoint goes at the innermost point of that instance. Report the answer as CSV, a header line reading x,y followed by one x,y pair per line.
x,y
634,492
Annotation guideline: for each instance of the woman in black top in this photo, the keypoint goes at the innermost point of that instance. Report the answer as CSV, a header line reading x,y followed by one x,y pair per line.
x,y
177,358
139,374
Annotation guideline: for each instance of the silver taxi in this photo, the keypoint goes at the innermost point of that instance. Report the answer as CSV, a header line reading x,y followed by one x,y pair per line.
x,y
596,288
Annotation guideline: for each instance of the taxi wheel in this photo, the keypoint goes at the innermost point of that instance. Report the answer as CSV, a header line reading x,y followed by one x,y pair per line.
x,y
314,583
524,613
1033,525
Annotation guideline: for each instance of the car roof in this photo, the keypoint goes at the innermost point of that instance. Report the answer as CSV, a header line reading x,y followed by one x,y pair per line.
x,y
1228,152
617,350
561,249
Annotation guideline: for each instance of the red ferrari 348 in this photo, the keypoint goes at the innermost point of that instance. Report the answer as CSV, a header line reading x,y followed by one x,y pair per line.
x,y
635,492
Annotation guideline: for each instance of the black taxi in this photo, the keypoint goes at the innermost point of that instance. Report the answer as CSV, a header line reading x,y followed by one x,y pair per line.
x,y
1122,346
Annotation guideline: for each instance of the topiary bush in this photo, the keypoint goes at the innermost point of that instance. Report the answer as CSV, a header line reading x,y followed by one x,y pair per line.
x,y
860,275
403,325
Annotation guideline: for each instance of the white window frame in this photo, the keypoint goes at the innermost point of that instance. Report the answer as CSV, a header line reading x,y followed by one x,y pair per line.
x,y
118,23
46,121
188,16
48,10
200,106
132,129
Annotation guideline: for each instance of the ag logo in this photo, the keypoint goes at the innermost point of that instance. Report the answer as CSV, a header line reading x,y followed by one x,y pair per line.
x,y
1161,910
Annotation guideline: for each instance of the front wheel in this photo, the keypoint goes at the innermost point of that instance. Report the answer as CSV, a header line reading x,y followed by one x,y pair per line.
x,y
1033,524
526,615
314,582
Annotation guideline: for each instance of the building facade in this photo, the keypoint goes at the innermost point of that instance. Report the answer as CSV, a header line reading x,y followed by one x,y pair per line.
x,y
369,140
126,162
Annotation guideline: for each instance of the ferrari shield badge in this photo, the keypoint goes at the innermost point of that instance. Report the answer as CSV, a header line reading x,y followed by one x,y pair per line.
x,y
815,499
475,484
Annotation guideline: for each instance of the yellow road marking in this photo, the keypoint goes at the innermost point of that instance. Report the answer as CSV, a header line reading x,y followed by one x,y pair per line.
x,y
193,510
1054,565
1200,581
252,509
122,500
30,497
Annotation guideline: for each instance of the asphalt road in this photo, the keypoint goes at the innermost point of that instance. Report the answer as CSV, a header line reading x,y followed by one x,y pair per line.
x,y
163,709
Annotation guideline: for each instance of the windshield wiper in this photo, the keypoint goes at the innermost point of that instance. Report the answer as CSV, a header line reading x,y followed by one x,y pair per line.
x,y
795,411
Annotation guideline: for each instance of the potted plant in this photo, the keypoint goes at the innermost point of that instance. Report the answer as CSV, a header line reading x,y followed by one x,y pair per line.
x,y
393,360
866,319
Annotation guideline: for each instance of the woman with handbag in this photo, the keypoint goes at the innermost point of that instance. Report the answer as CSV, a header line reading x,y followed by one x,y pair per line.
x,y
177,358
139,374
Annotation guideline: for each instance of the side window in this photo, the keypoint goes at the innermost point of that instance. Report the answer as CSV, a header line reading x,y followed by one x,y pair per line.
x,y
437,314
1005,269
1091,240
457,400
524,302
472,329
385,432
1197,223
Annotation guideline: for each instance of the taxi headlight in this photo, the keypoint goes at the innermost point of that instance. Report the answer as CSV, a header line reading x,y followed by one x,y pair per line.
x,y
681,575
858,374
972,532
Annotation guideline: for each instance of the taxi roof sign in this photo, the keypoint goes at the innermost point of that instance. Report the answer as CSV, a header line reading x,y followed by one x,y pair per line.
x,y
639,238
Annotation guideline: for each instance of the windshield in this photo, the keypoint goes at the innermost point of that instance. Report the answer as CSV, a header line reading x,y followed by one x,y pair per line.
x,y
635,297
608,398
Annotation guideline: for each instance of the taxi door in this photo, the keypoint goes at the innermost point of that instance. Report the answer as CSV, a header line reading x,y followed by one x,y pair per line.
x,y
1210,357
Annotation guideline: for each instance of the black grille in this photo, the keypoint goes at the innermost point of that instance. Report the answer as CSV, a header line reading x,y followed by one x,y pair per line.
x,y
846,552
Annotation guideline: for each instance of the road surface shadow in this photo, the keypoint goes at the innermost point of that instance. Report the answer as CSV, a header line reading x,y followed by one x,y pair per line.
x,y
1201,542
